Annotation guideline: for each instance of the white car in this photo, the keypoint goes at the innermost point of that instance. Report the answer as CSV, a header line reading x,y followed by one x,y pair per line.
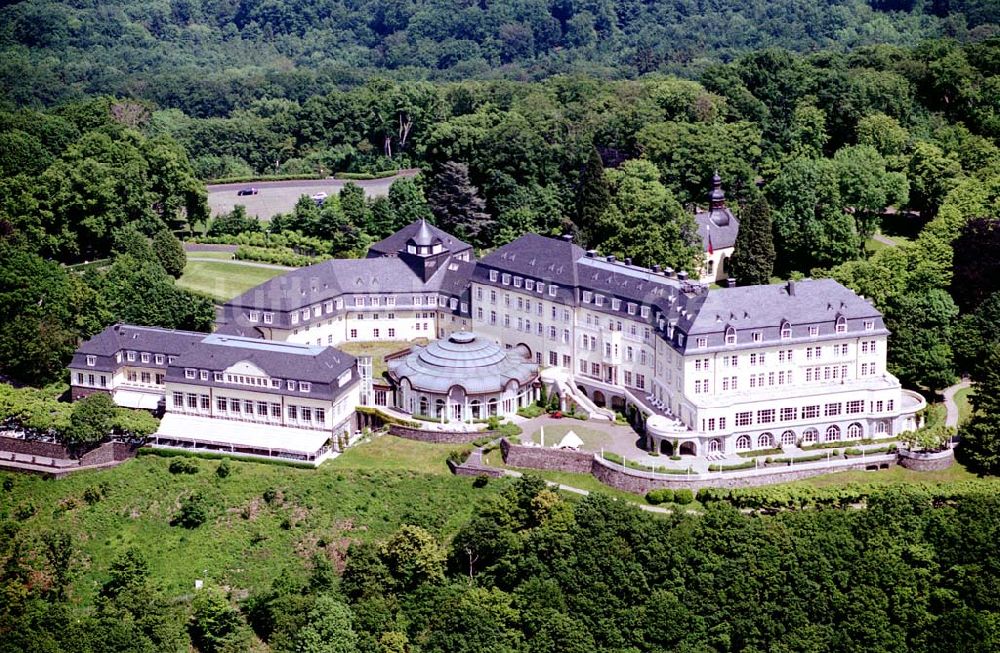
x,y
319,197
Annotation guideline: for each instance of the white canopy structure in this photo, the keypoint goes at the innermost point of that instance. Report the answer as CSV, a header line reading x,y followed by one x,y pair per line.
x,y
570,441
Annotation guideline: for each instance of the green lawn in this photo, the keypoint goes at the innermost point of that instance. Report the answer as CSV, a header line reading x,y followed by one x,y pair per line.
x,y
246,542
896,475
218,256
224,280
378,351
964,406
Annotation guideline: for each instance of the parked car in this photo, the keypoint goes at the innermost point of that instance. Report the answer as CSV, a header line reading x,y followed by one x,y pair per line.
x,y
319,197
247,191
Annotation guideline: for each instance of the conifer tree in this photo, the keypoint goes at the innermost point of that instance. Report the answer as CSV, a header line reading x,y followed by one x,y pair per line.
x,y
753,257
593,199
170,253
456,203
981,438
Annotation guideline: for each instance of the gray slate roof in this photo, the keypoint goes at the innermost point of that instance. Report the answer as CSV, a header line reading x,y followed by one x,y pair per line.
x,y
723,232
391,245
281,360
478,365
127,337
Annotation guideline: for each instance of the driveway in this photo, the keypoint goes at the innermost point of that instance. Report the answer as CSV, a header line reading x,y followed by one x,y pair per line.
x,y
280,196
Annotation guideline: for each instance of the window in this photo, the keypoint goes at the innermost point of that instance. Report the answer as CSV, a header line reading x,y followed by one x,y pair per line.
x,y
493,275
869,325
276,410
293,412
91,361
810,412
786,330
743,442
204,375
268,318
631,309
354,333
789,414
255,316
130,355
234,406
305,311
813,331
145,377
104,380
809,436
291,384
599,300
529,284
375,333
319,414
788,438
765,416
178,399
729,383
855,431
640,381
756,336
90,379
832,409
220,404
765,440
616,304
189,373
305,386
841,325
855,406
744,418
552,290
144,357
392,333
306,414
730,336
79,378
702,343
505,279
833,433
587,296
644,311
159,359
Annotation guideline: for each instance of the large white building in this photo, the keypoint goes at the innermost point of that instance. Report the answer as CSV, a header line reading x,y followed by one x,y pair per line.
x,y
718,371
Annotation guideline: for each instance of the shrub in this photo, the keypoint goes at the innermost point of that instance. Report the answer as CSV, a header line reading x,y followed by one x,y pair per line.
x,y
530,411
747,464
8,484
270,494
662,495
675,457
224,469
183,466
459,456
479,442
760,452
510,430
92,495
193,512
481,481
493,423
364,176
683,496
851,451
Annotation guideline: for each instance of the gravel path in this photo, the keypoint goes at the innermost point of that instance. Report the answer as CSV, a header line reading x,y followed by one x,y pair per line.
x,y
949,402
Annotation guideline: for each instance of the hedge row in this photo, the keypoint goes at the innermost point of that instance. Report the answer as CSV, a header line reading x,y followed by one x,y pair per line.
x,y
283,256
252,178
210,455
837,444
365,176
760,452
748,464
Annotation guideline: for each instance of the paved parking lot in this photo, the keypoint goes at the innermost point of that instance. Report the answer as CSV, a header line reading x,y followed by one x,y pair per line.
x,y
280,196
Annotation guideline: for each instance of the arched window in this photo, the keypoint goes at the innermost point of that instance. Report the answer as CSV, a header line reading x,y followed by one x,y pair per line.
x,y
788,438
439,408
743,442
765,441
841,324
710,266
714,446
786,330
730,336
881,428
833,433
423,405
855,431
809,436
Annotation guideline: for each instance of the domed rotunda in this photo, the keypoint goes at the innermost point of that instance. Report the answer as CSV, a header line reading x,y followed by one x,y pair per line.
x,y
462,378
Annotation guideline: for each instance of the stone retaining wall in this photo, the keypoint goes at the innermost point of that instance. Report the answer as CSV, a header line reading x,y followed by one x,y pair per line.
x,y
445,437
473,466
33,447
105,453
563,460
642,482
78,392
926,462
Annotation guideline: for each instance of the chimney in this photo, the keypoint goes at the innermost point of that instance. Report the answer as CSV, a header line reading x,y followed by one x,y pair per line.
x,y
656,268
611,258
731,282
669,271
791,288
567,238
628,260
591,253
682,275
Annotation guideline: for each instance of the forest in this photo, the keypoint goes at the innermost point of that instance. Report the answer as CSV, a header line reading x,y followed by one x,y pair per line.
x,y
908,569
209,57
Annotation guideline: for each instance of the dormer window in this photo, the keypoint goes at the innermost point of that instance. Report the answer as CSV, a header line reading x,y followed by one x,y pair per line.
x,y
587,296
616,304
453,303
171,359
599,300
814,331
159,359
493,275
841,325
730,336
518,281
786,330
305,314
529,284
295,317
218,377
757,336
305,386
702,343
255,316
204,375
552,290
91,361
268,318
631,309
505,279
291,385
275,383
130,355
644,311
869,325
144,357
189,373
